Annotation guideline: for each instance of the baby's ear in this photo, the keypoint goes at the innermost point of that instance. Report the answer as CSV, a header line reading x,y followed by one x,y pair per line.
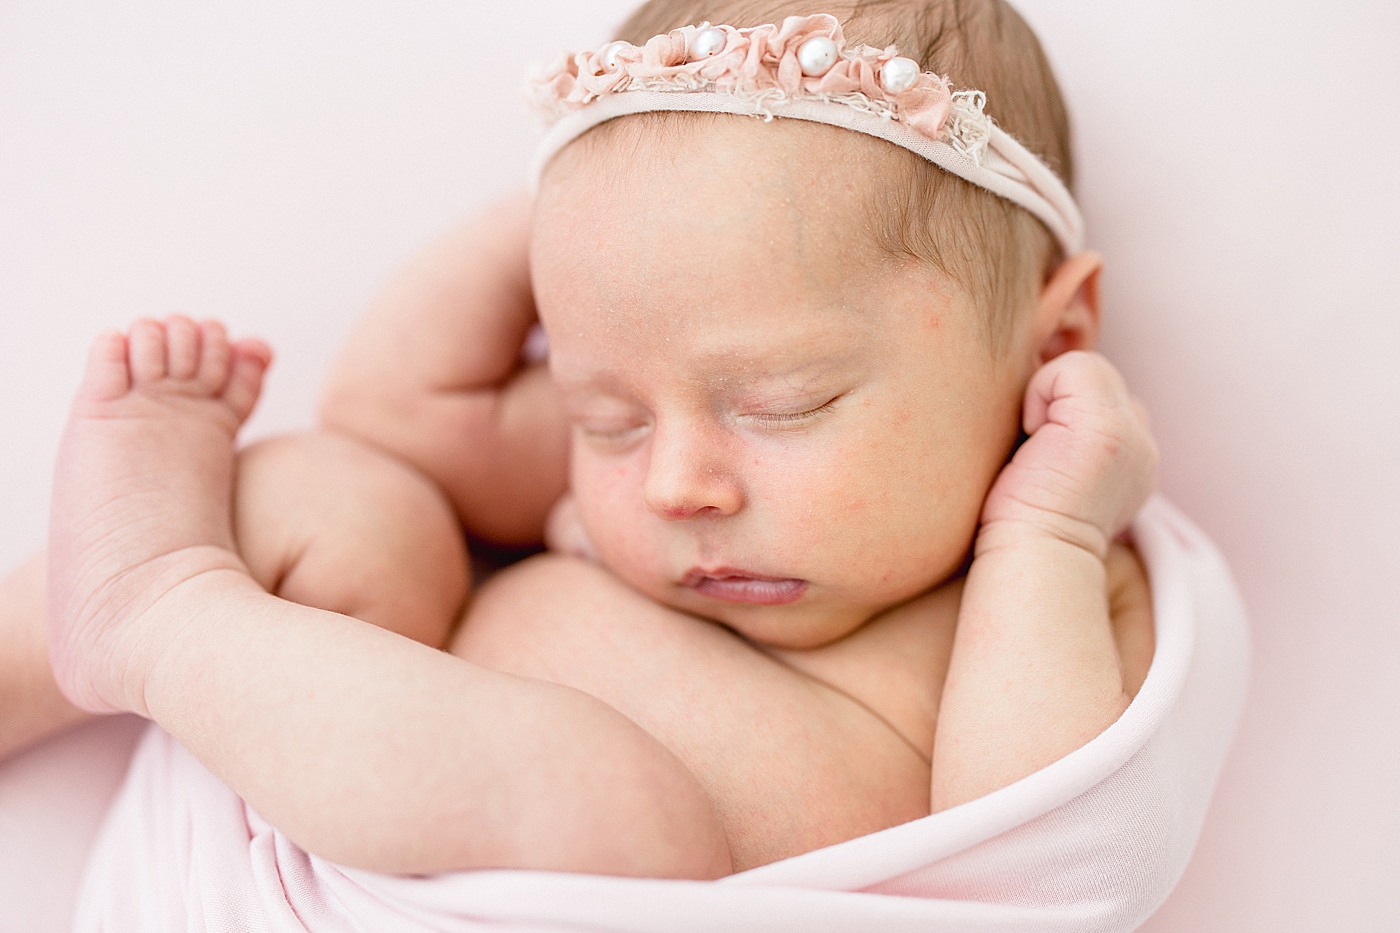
x,y
1067,314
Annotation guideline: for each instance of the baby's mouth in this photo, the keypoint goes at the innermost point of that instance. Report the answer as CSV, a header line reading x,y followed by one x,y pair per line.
x,y
740,586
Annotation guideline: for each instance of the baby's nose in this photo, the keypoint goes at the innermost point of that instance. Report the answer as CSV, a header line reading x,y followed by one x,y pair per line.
x,y
689,476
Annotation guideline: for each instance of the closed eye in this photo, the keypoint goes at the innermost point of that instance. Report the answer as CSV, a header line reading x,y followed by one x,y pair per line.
x,y
797,417
610,431
612,436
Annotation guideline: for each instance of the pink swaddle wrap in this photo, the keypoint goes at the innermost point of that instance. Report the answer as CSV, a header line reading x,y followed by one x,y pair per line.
x,y
1094,842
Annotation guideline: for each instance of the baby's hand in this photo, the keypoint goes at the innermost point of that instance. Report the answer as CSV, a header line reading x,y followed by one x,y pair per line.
x,y
564,532
1087,467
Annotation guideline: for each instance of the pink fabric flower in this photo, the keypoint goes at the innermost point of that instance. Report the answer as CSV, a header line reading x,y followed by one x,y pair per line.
x,y
595,75
551,85
665,51
759,63
796,30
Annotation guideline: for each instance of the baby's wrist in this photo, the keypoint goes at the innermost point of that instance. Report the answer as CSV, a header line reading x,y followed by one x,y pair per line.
x,y
1041,531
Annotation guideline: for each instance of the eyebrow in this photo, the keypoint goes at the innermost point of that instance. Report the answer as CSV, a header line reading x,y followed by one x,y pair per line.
x,y
749,377
787,361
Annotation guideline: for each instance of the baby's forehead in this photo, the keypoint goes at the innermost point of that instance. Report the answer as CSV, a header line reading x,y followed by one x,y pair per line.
x,y
709,204
704,161
723,229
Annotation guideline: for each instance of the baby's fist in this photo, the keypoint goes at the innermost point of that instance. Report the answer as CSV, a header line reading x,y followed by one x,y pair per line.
x,y
564,532
1087,467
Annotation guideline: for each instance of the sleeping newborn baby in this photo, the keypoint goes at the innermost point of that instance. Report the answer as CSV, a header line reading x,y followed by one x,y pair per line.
x,y
801,301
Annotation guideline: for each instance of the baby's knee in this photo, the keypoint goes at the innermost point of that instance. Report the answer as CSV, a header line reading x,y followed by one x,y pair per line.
x,y
324,520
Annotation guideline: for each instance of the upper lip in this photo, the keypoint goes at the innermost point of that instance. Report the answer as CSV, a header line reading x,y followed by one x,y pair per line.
x,y
696,574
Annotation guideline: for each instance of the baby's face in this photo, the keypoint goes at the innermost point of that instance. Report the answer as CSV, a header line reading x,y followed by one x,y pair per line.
x,y
777,424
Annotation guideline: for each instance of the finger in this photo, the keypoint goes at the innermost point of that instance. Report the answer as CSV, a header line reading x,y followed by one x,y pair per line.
x,y
1049,383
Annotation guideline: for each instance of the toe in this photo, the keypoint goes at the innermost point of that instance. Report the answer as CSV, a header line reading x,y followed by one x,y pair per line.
x,y
250,361
182,347
147,351
107,375
215,356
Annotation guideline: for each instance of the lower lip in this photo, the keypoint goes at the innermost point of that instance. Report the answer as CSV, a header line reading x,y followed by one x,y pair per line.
x,y
751,590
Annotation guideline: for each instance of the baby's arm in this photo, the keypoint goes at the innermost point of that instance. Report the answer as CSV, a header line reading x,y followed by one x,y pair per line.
x,y
1036,670
433,376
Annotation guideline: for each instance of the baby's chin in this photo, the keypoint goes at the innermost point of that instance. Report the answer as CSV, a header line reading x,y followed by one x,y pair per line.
x,y
798,629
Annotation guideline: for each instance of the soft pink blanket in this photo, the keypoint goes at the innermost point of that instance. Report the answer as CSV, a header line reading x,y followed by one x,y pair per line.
x,y
1094,842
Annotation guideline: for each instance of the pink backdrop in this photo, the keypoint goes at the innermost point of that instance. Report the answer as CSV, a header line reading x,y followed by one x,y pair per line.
x,y
270,163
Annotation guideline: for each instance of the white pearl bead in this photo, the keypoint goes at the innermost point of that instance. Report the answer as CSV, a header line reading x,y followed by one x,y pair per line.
x,y
610,55
816,56
899,74
707,43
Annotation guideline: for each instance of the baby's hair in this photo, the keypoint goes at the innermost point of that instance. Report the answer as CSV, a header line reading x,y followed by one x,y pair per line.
x,y
996,251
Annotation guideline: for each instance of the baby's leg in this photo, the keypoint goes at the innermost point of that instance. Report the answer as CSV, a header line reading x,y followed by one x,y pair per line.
x,y
149,436
325,521
363,746
321,520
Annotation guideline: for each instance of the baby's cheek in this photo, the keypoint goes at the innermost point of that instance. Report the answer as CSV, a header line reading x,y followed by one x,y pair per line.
x,y
608,493
594,477
909,500
827,508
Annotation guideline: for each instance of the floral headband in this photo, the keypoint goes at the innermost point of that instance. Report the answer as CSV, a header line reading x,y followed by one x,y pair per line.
x,y
802,70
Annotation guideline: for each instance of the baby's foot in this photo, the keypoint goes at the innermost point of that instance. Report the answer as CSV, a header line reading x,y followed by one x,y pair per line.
x,y
142,498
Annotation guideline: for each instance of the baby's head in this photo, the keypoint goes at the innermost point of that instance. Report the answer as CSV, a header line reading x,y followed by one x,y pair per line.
x,y
794,355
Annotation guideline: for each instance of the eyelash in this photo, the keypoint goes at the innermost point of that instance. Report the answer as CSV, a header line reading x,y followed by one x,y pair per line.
x,y
609,435
799,416
775,419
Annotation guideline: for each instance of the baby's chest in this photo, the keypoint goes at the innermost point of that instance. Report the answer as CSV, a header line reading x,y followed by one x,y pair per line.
x,y
794,759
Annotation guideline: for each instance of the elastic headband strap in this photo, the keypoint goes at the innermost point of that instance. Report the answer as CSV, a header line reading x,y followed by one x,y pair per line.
x,y
1007,168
